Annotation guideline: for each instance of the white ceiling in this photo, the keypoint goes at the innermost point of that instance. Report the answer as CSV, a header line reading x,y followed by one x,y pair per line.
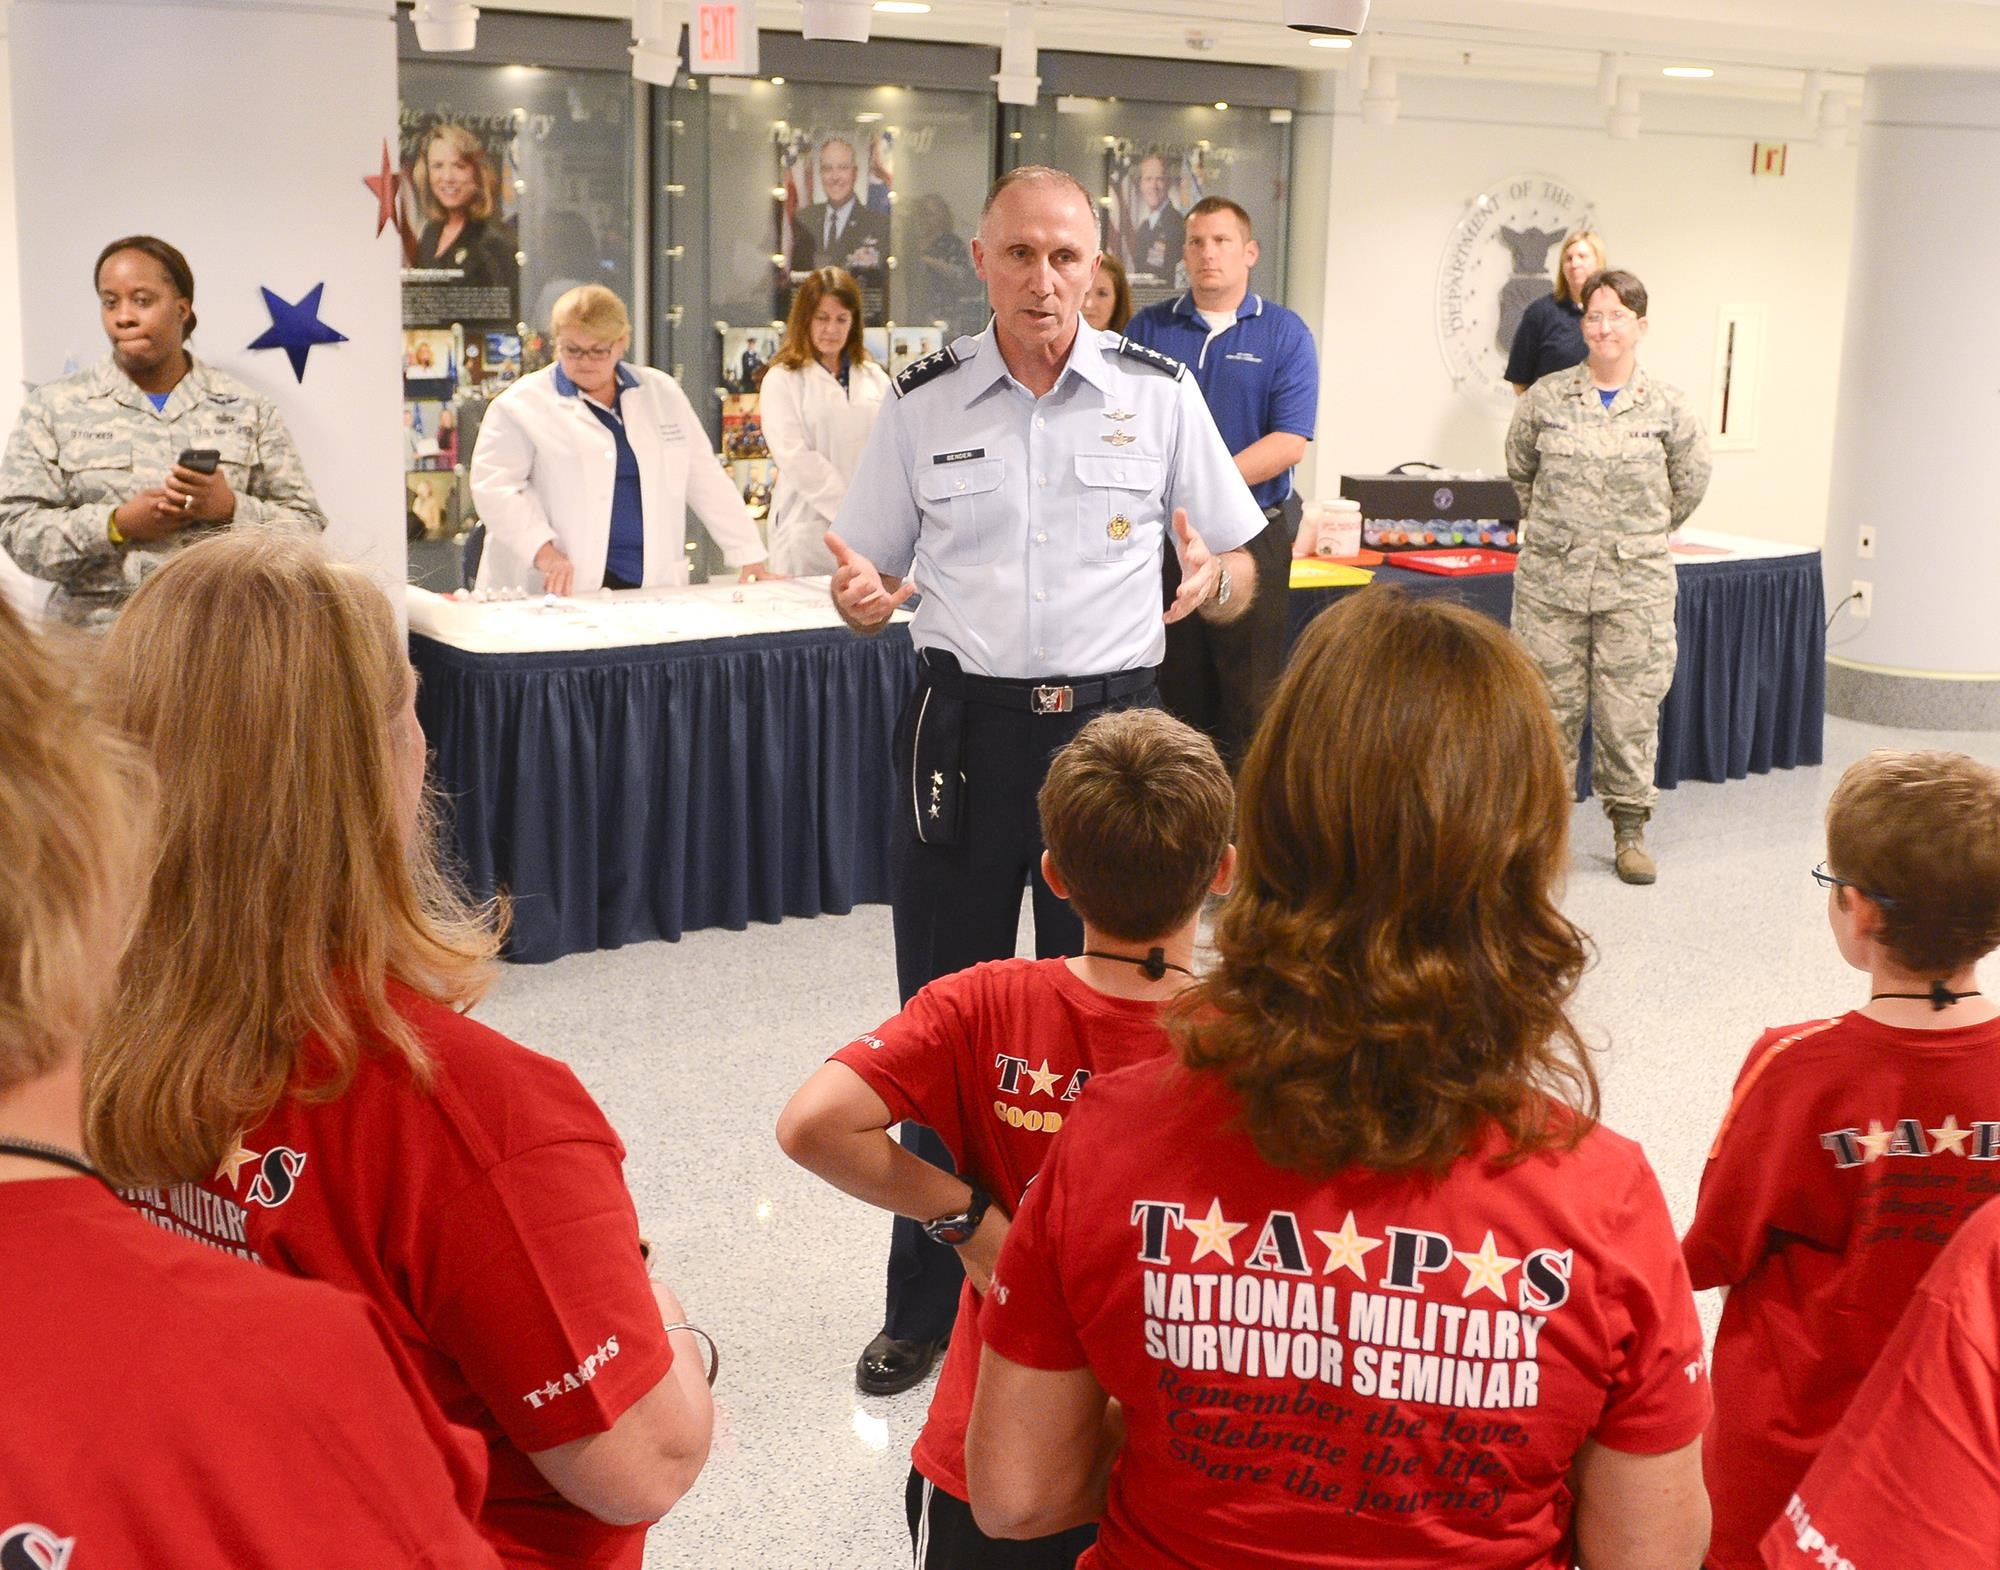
x,y
1756,46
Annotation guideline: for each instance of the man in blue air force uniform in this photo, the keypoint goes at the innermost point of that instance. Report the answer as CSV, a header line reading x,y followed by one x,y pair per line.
x,y
1025,481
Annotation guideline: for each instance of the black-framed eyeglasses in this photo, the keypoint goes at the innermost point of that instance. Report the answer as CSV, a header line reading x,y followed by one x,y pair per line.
x,y
1828,880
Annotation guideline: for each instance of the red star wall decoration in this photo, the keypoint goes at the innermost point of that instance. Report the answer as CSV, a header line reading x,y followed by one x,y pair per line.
x,y
384,186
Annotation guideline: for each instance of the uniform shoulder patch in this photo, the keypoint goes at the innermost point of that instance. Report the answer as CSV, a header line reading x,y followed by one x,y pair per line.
x,y
928,369
1152,357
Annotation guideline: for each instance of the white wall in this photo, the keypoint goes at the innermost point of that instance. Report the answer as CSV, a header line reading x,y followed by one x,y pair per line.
x,y
1679,207
1915,463
25,593
255,173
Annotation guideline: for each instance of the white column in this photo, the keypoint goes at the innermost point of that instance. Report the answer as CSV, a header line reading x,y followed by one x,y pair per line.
x,y
239,131
1915,432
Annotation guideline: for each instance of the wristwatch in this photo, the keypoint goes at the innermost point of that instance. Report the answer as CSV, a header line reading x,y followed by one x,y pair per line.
x,y
1222,586
955,1230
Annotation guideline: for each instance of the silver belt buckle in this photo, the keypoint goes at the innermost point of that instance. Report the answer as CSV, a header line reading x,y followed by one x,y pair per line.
x,y
1054,700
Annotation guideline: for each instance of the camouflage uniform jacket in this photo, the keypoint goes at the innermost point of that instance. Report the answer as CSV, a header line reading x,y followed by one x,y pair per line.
x,y
1601,488
90,442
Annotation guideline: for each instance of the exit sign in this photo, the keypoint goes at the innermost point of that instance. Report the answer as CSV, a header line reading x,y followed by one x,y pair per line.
x,y
1768,158
723,39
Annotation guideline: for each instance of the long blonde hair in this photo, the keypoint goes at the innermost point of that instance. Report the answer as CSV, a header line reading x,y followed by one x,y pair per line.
x,y
76,807
264,679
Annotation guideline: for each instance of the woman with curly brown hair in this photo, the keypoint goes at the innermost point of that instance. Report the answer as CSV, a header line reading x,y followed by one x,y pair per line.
x,y
1359,1279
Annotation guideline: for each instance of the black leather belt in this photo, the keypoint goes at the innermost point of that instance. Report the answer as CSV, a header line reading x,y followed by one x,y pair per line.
x,y
1063,696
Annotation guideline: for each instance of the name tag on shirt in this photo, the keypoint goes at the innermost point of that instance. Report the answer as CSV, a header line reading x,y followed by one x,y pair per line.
x,y
966,456
1244,354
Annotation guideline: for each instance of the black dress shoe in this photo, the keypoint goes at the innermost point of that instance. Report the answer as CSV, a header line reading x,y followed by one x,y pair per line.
x,y
889,1367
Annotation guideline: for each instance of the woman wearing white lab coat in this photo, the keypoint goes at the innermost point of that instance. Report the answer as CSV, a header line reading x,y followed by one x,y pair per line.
x,y
820,396
585,471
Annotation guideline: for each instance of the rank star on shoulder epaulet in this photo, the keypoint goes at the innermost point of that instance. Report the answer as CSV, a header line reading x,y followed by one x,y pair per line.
x,y
1152,357
929,368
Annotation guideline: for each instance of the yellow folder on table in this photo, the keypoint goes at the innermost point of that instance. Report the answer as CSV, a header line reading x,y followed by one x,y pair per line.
x,y
1309,572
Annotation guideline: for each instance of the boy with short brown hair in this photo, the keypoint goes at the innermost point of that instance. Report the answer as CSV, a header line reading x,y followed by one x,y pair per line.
x,y
1136,815
1853,1147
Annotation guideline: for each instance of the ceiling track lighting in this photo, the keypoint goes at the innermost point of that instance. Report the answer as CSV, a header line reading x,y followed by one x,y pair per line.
x,y
656,43
1332,18
836,21
445,25
1623,121
1017,81
1379,102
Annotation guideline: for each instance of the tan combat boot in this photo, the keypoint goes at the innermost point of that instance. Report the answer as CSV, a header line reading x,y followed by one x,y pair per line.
x,y
1629,840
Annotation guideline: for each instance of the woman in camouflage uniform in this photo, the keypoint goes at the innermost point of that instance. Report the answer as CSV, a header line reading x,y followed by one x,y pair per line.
x,y
93,495
1608,460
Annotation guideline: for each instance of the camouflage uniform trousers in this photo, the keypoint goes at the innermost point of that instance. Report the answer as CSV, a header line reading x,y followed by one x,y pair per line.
x,y
1617,665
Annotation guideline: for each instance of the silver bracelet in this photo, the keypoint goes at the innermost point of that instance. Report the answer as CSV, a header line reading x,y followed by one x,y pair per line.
x,y
714,1351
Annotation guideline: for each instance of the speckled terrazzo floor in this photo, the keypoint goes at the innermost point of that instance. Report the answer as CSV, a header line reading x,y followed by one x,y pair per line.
x,y
693,1047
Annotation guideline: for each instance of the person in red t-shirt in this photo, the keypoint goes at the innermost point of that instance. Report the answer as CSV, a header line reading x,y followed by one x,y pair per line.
x,y
1135,815
1853,1148
1912,1474
1358,1280
285,1074
165,1407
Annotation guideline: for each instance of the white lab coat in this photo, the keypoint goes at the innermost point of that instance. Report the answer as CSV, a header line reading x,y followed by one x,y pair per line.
x,y
545,469
815,432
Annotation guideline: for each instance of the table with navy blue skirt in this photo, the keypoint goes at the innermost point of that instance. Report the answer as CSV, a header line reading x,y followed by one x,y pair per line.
x,y
1749,692
623,793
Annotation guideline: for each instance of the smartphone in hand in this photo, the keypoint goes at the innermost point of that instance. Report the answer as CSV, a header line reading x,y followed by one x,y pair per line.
x,y
203,460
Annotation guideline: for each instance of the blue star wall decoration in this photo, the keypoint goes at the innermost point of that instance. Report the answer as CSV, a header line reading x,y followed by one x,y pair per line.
x,y
296,328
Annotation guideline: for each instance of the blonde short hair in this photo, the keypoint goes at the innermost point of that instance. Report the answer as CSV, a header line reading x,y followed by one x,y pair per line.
x,y
594,309
75,820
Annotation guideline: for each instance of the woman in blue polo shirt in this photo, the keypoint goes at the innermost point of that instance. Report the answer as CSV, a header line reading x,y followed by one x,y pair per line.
x,y
1550,337
585,471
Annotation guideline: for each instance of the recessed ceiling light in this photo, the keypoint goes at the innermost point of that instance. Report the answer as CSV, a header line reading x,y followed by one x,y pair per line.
x,y
777,81
1221,103
1331,43
1692,72
902,7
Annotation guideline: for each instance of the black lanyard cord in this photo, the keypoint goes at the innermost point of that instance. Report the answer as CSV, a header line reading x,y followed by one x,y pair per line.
x,y
54,1155
1939,997
1153,966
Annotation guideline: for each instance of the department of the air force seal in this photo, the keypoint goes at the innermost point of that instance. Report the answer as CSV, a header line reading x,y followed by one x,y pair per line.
x,y
1499,259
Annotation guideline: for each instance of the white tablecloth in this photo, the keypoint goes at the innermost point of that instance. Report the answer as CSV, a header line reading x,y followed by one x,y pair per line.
x,y
624,618
1734,547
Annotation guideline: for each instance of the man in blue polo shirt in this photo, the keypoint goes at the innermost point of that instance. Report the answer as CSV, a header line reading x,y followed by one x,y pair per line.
x,y
1256,365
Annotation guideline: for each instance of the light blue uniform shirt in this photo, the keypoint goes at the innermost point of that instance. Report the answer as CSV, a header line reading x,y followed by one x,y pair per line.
x,y
1035,526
